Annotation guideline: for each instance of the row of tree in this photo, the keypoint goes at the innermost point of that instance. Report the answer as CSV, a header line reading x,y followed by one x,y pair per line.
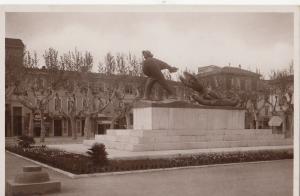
x,y
69,73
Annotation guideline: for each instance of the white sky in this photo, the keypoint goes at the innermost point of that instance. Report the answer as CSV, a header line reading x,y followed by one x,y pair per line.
x,y
263,40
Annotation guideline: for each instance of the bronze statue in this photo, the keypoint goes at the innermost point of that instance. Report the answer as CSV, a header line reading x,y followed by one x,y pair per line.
x,y
206,96
152,68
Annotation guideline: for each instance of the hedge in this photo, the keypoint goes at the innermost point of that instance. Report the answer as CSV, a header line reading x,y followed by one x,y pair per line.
x,y
81,164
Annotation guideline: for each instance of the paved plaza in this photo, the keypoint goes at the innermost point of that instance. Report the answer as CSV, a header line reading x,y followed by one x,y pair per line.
x,y
274,178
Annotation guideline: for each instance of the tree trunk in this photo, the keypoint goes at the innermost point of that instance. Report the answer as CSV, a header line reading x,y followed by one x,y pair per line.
x,y
43,130
256,124
87,127
73,127
127,118
255,119
284,123
290,123
112,124
30,125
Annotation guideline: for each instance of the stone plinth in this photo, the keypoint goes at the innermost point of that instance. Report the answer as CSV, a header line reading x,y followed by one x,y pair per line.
x,y
32,181
182,116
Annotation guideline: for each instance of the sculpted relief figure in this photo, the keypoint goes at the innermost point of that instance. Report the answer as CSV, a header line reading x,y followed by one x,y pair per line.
x,y
206,96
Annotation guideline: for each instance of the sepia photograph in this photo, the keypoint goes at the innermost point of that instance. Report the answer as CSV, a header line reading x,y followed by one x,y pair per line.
x,y
150,100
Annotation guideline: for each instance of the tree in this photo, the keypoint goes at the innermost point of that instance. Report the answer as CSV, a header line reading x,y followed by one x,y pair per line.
x,y
110,64
167,75
30,60
16,77
121,109
87,62
36,93
283,89
101,68
51,59
94,104
126,66
78,67
134,65
121,67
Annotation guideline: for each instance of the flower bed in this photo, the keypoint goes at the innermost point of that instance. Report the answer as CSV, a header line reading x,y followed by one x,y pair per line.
x,y
80,164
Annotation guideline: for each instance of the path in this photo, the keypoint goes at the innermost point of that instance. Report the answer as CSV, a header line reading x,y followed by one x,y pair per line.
x,y
261,179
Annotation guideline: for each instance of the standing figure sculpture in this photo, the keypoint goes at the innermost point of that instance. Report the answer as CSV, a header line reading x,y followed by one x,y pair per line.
x,y
152,68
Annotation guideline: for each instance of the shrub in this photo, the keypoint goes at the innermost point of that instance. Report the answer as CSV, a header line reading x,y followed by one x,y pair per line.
x,y
98,154
25,141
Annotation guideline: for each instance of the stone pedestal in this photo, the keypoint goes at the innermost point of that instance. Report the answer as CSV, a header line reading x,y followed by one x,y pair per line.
x,y
31,182
181,126
182,116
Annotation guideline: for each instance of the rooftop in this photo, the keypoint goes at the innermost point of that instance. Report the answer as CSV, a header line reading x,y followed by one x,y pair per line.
x,y
12,42
214,70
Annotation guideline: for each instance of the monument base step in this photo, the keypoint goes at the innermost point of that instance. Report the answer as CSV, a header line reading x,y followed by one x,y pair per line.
x,y
156,140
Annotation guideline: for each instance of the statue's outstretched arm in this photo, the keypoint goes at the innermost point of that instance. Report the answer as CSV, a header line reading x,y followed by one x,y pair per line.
x,y
163,65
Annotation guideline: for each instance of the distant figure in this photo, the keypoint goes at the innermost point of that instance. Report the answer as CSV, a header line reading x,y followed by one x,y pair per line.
x,y
152,68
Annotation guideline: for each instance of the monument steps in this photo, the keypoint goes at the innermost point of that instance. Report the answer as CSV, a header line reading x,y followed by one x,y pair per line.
x,y
159,126
151,140
190,145
187,132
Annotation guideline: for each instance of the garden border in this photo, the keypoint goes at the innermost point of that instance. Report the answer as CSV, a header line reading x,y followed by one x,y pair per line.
x,y
77,176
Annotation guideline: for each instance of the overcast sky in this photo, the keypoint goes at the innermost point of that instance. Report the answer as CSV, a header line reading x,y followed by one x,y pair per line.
x,y
263,40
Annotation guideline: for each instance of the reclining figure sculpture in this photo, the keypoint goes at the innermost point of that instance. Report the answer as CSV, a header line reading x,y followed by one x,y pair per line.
x,y
205,96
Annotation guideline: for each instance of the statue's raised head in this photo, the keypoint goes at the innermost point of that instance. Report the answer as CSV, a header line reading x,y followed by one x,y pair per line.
x,y
147,54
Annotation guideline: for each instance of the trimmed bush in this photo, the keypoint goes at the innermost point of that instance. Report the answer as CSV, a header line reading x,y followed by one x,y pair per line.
x,y
98,154
25,141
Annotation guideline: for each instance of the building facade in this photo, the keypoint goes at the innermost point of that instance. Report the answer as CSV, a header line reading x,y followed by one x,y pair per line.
x,y
229,78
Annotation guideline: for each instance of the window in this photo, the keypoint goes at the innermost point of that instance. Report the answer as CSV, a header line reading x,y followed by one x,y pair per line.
x,y
40,104
71,104
84,103
39,83
243,85
129,89
101,87
254,84
248,85
228,83
266,110
237,83
215,81
131,118
57,103
69,85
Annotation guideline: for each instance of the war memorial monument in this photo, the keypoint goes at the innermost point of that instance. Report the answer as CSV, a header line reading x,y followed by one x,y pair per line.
x,y
212,120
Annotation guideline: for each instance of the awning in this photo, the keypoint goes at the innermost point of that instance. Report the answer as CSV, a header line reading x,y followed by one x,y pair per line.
x,y
275,121
104,122
101,115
